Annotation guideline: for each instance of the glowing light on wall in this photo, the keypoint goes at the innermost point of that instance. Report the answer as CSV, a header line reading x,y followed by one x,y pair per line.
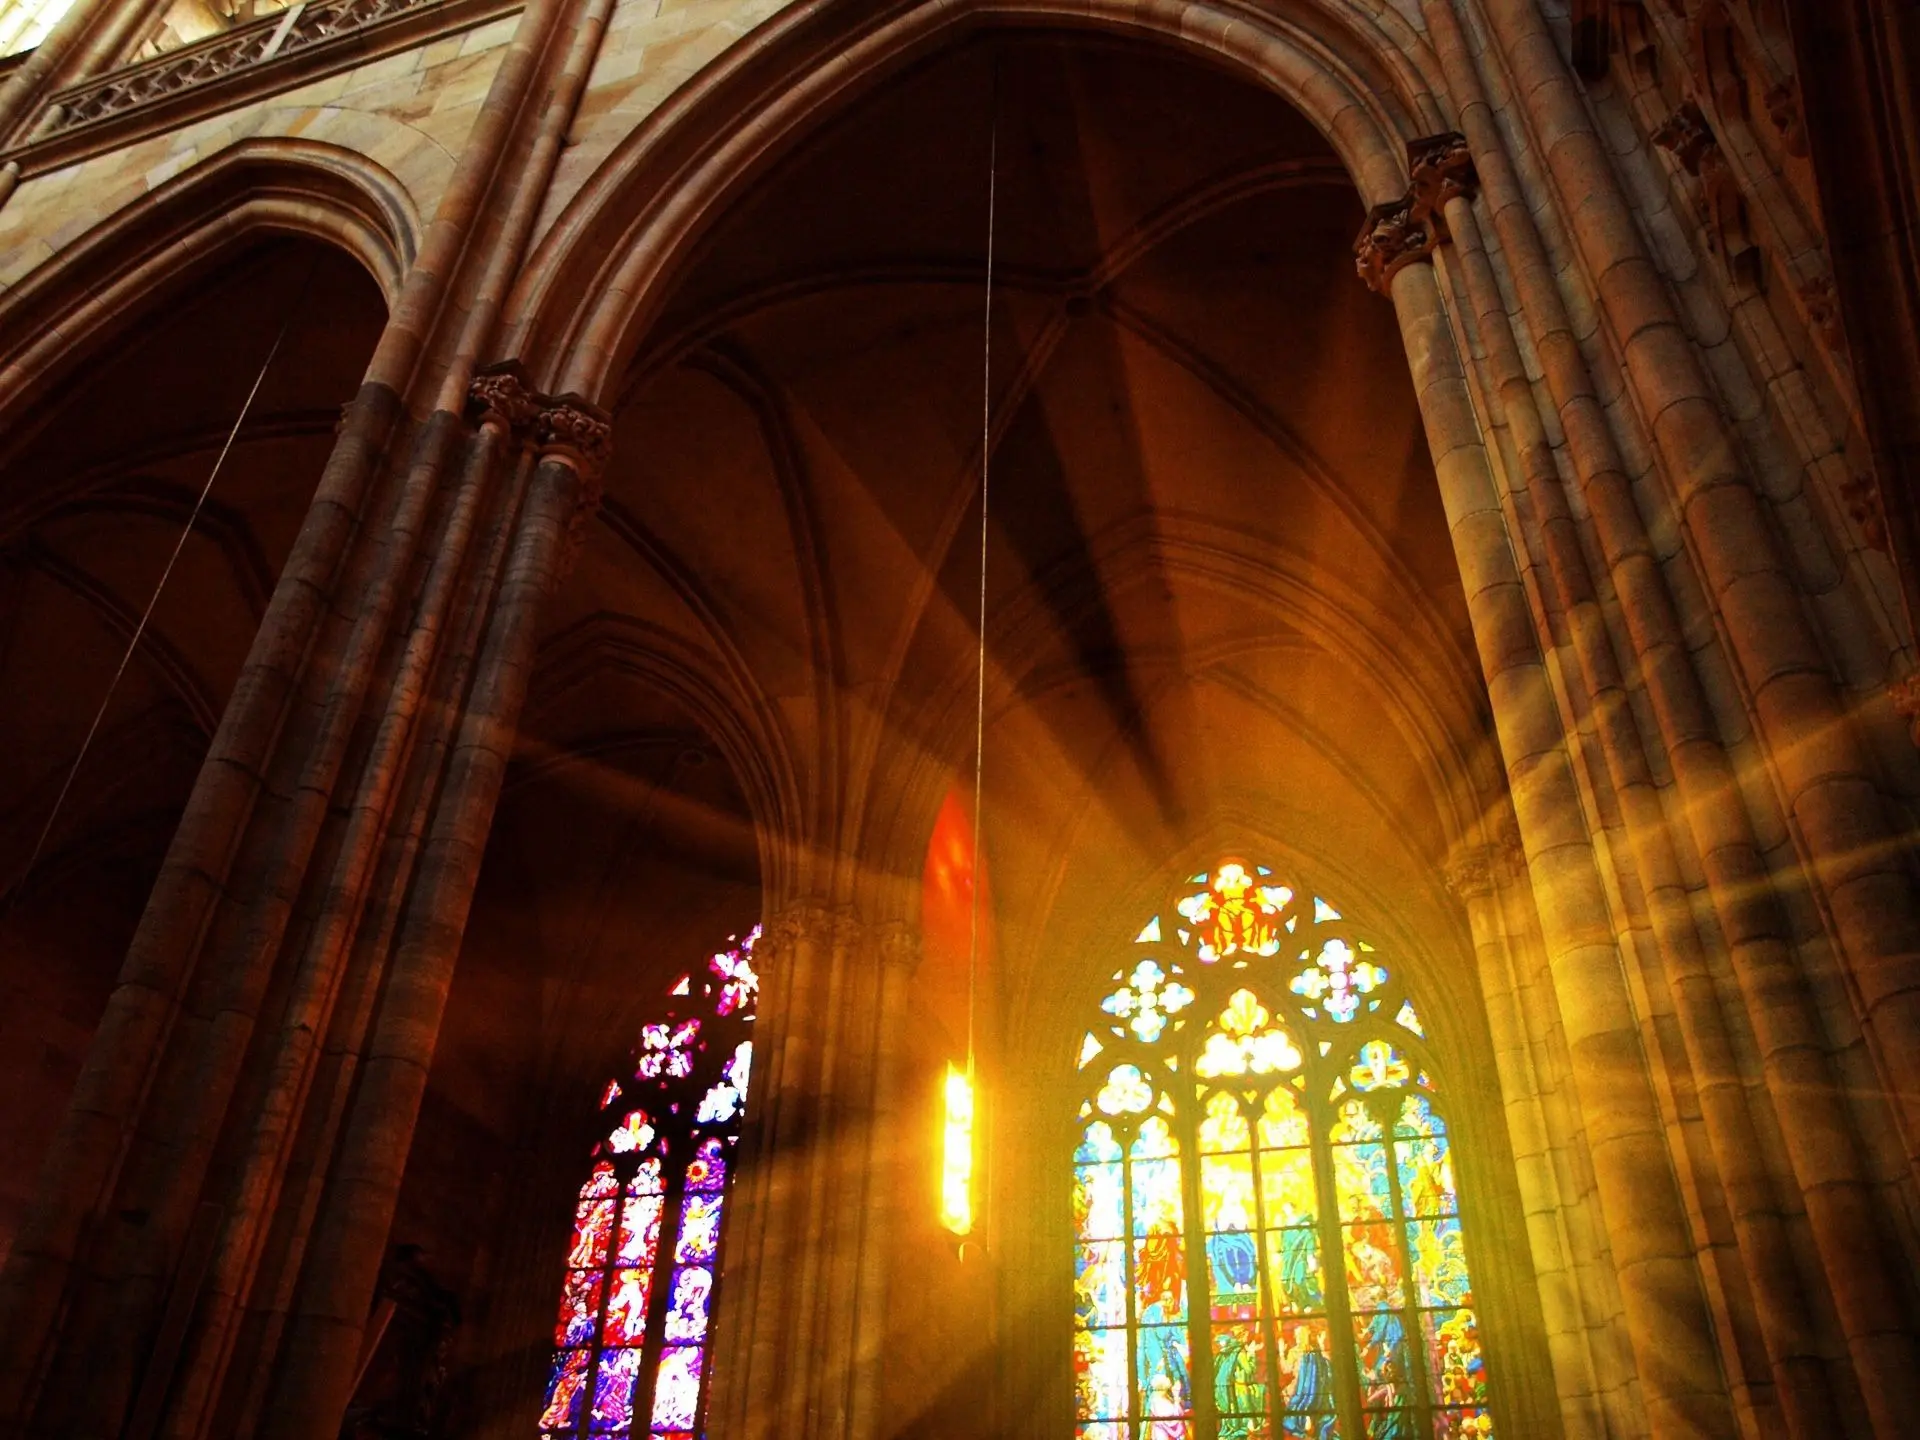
x,y
956,1155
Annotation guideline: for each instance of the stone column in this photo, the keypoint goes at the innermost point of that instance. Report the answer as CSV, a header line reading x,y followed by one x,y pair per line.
x,y
1474,876
768,1236
315,1378
1859,860
1667,1319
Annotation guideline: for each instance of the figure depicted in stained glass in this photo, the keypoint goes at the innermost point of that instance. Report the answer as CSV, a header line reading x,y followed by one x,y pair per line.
x,y
1236,913
670,1127
1277,1111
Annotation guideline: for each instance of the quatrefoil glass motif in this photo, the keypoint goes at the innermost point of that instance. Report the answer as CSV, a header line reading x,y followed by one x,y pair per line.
x,y
1148,999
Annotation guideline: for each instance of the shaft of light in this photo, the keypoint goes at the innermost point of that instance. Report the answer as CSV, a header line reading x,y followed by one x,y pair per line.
x,y
956,1159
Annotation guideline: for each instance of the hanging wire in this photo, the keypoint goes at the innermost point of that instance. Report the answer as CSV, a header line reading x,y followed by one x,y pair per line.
x,y
980,680
140,630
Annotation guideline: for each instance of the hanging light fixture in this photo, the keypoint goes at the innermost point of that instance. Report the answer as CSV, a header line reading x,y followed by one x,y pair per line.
x,y
960,1093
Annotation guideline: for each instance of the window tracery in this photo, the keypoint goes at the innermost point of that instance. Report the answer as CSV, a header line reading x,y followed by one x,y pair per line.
x,y
1269,1241
636,1305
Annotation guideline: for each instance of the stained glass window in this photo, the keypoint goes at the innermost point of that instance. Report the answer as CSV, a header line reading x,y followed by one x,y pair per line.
x,y
1269,1241
637,1300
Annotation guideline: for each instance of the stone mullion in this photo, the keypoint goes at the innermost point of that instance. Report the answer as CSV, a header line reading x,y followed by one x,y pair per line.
x,y
1805,1089
1834,810
1668,1323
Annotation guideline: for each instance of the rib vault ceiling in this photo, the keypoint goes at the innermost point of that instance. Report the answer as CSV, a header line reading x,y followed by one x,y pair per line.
x,y
1221,598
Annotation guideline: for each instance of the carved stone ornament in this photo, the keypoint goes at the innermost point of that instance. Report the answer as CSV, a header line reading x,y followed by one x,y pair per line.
x,y
1393,238
1783,109
1441,168
575,428
1405,231
500,395
1823,313
1905,694
1721,203
1687,136
1862,498
1470,876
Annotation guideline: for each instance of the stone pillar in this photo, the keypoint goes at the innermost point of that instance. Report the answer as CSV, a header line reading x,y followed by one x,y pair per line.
x,y
1859,860
800,1329
1667,1320
1476,876
315,1378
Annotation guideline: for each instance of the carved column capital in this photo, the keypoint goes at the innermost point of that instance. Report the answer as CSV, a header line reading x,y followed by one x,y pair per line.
x,y
1470,875
1441,169
499,395
1393,238
578,431
898,945
796,921
573,429
1405,231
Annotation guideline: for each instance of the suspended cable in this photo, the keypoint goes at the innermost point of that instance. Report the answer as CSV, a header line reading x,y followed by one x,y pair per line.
x,y
140,629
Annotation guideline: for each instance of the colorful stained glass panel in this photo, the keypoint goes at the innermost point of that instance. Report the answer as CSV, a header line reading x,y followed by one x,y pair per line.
x,y
1160,1279
640,1230
1100,1201
676,1388
1293,1269
687,1309
1381,1340
1456,1370
579,1307
1426,1175
1373,1267
627,1306
592,1225
1160,1369
699,1234
565,1387
1463,1425
1439,1263
1360,1177
1287,1188
1226,1191
1100,1373
613,1391
1156,1197
1239,1373
1100,1283
1233,1271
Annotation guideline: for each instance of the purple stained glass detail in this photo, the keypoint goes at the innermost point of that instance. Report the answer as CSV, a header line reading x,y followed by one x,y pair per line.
x,y
693,1065
699,1228
687,1314
613,1391
565,1388
676,1390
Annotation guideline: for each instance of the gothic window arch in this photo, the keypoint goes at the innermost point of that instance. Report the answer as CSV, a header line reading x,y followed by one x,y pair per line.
x,y
636,1307
1258,1100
